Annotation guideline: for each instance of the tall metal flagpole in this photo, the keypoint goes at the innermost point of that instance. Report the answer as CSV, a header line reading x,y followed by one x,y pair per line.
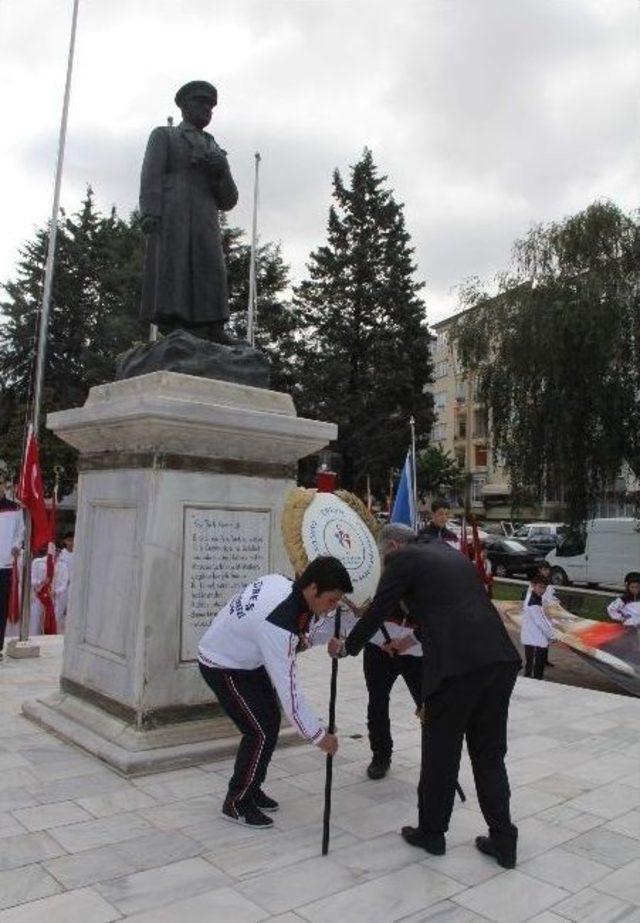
x,y
43,325
253,293
412,424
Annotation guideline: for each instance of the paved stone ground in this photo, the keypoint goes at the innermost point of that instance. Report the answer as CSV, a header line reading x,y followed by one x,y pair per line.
x,y
79,843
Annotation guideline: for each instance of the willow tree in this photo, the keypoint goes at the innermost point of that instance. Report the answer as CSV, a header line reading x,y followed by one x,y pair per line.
x,y
557,356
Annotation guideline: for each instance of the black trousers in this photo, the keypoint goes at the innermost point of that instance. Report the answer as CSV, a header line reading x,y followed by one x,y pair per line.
x,y
380,672
474,706
5,589
535,660
249,699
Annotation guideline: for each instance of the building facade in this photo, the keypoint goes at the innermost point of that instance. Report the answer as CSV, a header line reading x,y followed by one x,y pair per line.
x,y
462,428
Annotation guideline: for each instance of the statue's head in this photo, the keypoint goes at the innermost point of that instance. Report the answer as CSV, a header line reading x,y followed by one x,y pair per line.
x,y
196,101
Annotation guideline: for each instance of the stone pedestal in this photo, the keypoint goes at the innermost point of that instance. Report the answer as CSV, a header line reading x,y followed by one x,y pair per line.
x,y
182,482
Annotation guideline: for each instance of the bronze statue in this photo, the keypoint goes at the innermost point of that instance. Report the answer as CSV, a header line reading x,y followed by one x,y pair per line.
x,y
185,181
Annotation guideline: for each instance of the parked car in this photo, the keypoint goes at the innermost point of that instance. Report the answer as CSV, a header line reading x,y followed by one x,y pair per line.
x,y
541,536
602,554
509,557
455,526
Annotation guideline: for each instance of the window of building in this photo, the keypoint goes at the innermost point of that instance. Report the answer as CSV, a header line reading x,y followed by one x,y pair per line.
x,y
461,457
440,343
461,392
441,369
477,483
480,424
440,400
481,456
461,427
439,433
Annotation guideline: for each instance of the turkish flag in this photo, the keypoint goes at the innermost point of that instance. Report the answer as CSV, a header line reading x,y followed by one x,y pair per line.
x,y
31,494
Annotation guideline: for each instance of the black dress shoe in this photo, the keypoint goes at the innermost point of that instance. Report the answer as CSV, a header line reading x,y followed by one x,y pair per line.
x,y
504,854
378,767
431,842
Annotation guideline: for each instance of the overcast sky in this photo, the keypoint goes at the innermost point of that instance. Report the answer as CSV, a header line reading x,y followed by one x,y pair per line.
x,y
486,115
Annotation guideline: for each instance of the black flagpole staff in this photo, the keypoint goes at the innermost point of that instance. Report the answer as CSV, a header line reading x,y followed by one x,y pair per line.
x,y
330,730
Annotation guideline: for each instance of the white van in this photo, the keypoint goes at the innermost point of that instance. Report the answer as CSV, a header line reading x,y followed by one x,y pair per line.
x,y
609,549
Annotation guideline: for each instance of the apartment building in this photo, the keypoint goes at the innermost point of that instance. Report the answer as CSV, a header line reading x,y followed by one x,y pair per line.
x,y
461,426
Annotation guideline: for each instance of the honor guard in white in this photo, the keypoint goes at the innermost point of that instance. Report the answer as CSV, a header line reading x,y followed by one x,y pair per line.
x,y
537,630
11,538
626,608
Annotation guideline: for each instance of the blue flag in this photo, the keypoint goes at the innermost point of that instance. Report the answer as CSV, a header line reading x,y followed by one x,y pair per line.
x,y
404,505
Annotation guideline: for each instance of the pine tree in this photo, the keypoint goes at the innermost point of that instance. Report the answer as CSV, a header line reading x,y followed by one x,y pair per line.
x,y
364,344
275,320
94,308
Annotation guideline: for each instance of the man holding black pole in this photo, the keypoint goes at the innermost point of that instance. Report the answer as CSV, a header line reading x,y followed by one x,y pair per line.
x,y
248,659
469,671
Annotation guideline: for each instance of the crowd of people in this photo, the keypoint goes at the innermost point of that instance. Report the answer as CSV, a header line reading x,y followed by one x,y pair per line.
x,y
51,575
431,622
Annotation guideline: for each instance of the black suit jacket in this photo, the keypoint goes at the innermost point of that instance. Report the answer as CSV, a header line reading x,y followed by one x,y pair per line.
x,y
461,629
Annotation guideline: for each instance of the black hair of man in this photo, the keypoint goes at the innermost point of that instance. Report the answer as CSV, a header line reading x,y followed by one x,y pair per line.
x,y
69,534
632,577
440,505
328,574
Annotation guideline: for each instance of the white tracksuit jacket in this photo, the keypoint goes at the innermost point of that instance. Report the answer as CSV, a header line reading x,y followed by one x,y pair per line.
x,y
625,609
261,626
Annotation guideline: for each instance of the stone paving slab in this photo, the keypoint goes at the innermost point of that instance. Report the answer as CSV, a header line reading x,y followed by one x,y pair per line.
x,y
78,842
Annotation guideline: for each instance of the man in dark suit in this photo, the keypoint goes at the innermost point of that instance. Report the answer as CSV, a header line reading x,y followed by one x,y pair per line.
x,y
469,671
185,182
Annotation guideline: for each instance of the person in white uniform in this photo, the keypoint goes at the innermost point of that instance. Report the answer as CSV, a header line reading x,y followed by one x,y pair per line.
x,y
65,557
248,659
11,539
537,630
626,608
59,586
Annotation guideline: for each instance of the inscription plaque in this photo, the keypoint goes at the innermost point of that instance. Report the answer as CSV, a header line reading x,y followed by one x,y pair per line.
x,y
223,551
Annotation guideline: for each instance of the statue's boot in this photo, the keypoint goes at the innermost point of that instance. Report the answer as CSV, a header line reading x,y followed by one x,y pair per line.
x,y
217,334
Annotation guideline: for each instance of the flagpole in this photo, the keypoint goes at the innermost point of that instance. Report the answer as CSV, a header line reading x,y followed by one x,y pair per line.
x,y
253,294
412,424
43,324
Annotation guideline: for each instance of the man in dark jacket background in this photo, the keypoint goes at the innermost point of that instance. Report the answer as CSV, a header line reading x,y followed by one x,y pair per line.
x,y
469,671
436,528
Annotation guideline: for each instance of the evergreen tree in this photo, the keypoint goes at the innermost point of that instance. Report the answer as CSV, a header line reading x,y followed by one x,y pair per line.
x,y
557,357
94,306
439,473
94,317
275,320
364,342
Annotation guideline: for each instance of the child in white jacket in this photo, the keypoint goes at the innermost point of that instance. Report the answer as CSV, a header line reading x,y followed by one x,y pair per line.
x,y
537,629
626,608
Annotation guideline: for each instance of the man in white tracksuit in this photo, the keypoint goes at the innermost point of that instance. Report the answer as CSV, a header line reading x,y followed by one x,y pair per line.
x,y
248,658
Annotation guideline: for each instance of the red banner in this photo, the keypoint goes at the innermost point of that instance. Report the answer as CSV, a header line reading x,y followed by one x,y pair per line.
x,y
31,495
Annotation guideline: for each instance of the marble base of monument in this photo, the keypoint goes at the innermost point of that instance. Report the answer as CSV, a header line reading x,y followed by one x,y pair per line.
x,y
181,487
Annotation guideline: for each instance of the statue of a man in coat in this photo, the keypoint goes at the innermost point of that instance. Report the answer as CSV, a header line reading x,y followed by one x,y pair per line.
x,y
185,181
